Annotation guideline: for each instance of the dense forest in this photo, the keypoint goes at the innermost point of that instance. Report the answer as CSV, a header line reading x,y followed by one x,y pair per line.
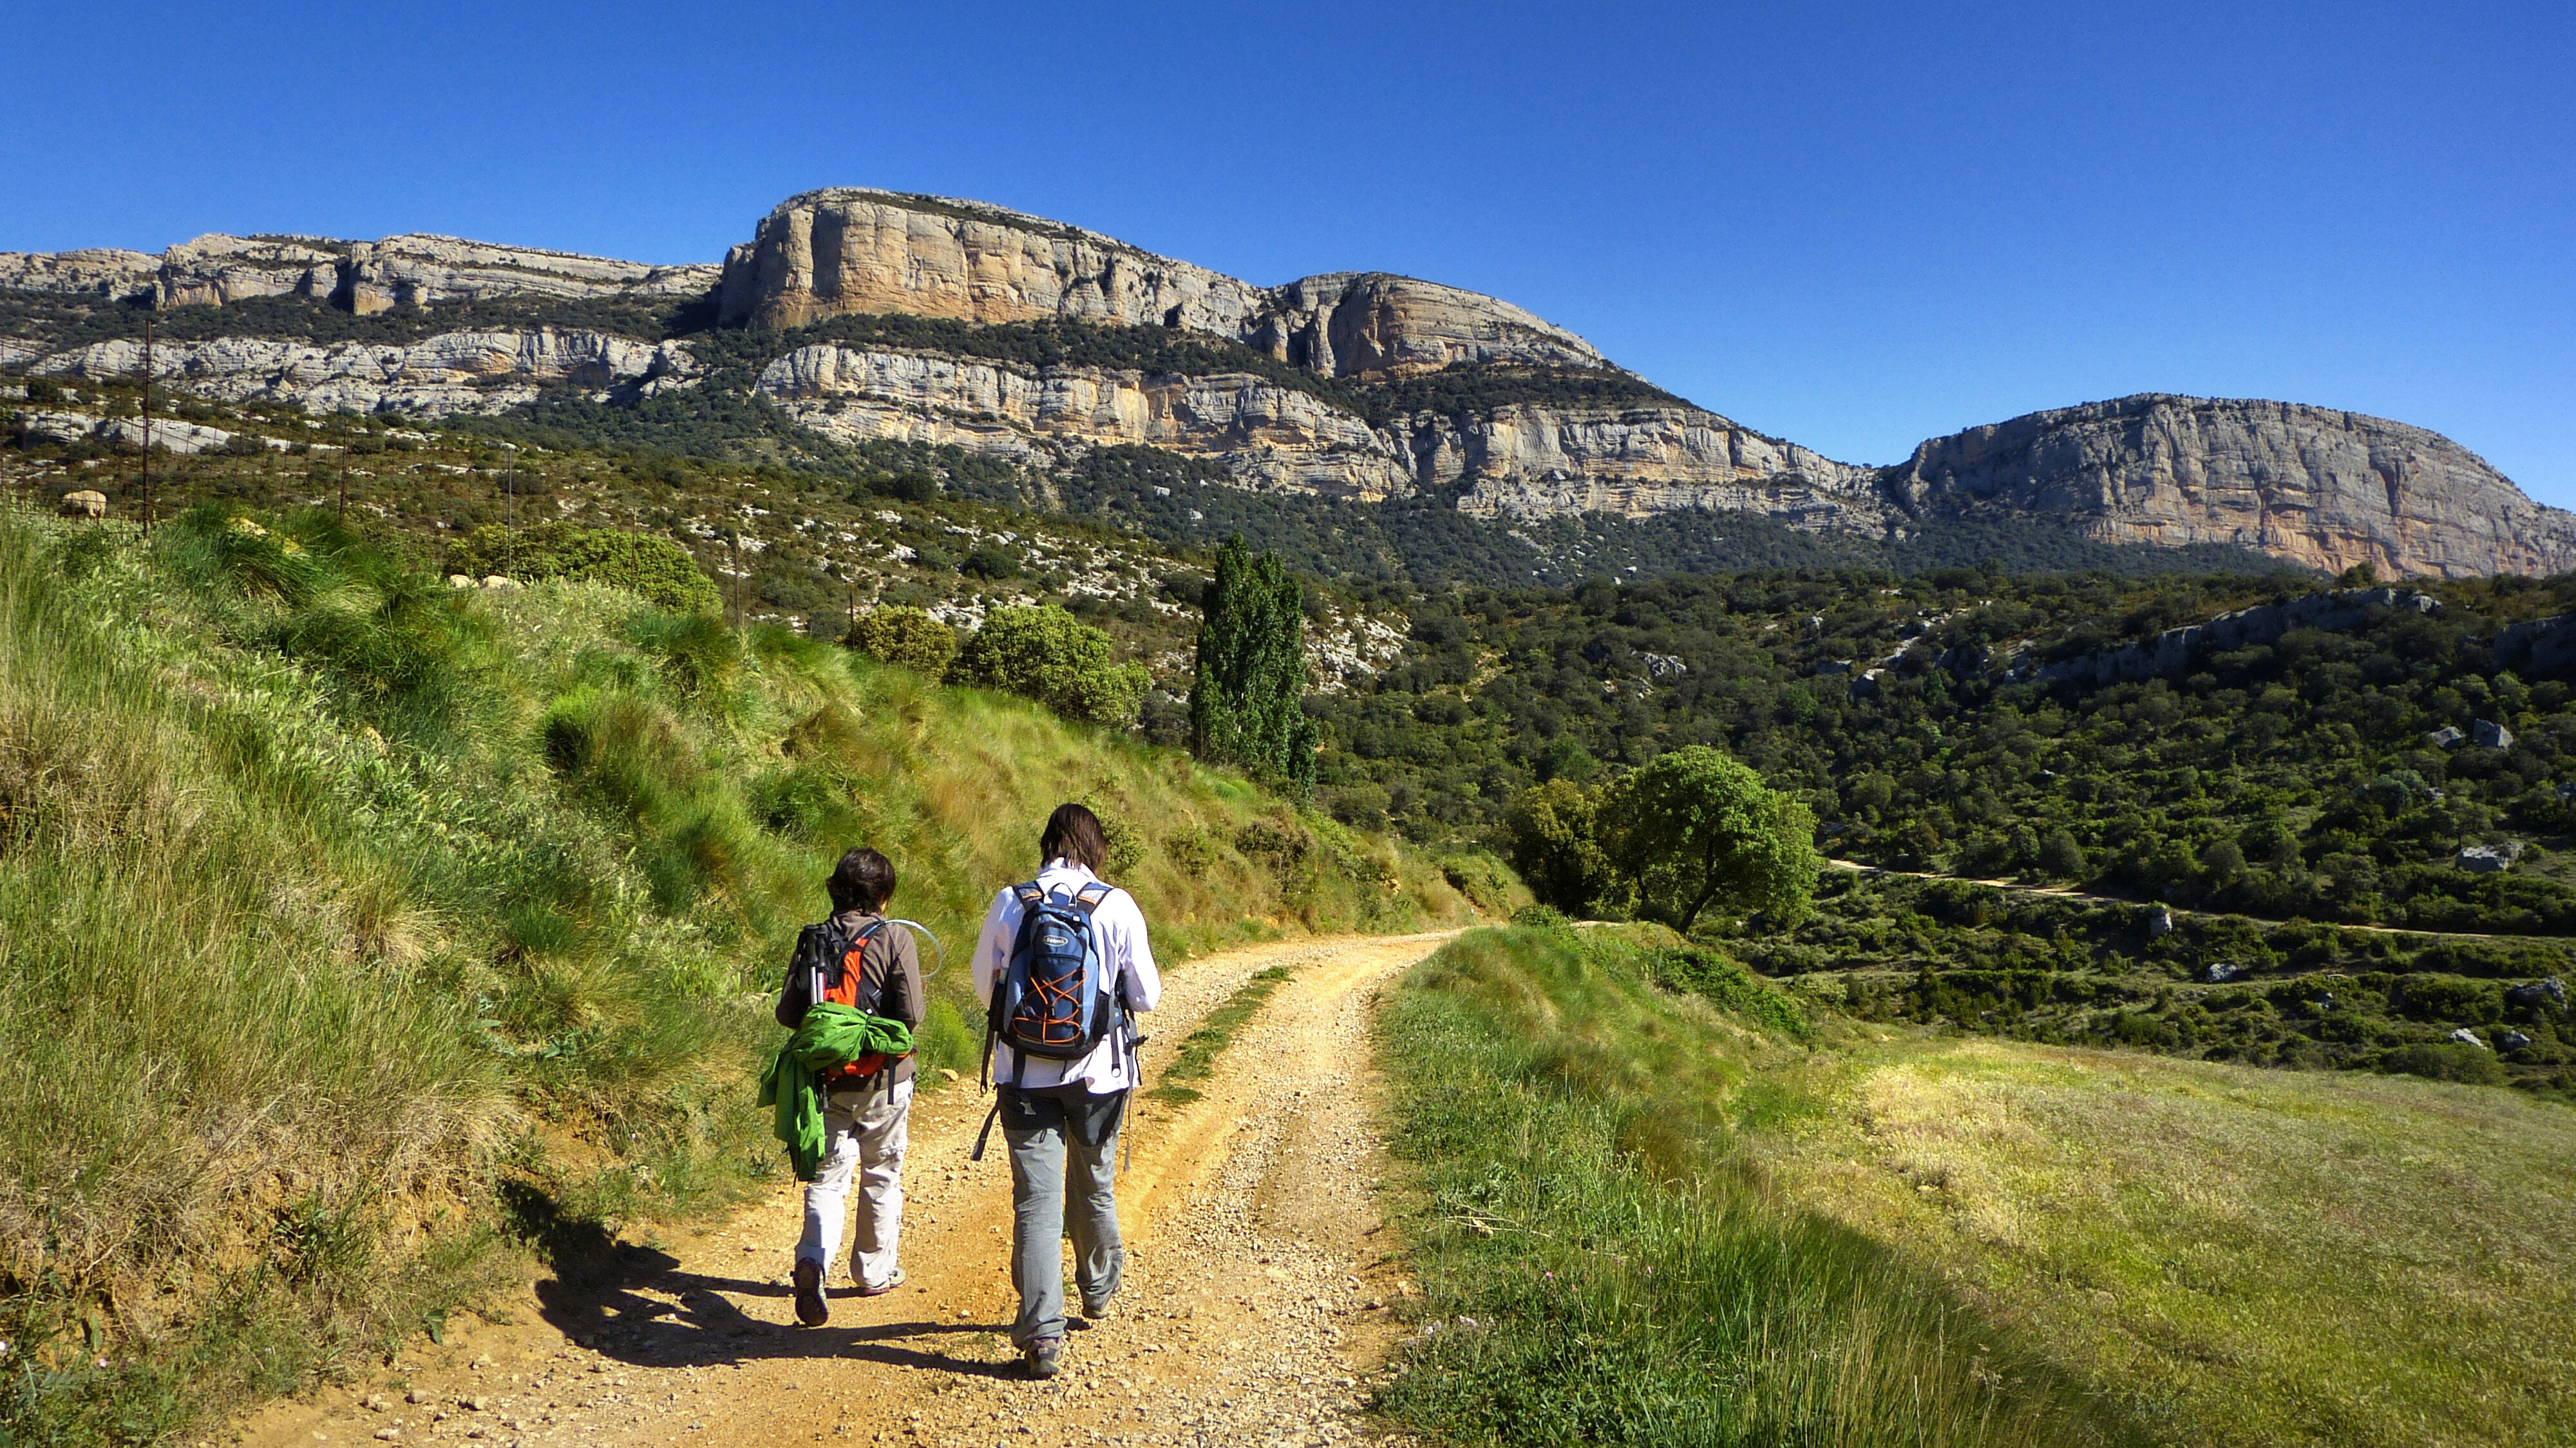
x,y
2296,777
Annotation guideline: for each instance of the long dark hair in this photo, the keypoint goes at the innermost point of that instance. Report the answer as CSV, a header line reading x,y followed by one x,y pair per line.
x,y
1074,833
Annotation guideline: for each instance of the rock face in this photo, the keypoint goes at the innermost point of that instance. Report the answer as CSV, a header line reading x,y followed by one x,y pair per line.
x,y
835,252
363,276
2172,651
450,373
2310,486
1268,436
101,273
1519,462
2307,485
1527,461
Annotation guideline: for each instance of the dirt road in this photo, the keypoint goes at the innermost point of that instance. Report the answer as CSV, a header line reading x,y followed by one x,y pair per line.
x,y
2069,892
1254,1309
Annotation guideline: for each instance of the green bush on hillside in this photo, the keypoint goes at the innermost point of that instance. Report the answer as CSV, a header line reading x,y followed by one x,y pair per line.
x,y
648,564
1048,655
2447,1061
906,637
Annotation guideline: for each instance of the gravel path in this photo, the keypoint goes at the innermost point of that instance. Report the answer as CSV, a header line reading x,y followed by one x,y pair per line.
x,y
1254,1310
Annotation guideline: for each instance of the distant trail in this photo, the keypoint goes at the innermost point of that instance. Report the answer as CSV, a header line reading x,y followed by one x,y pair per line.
x,y
2063,892
1254,1253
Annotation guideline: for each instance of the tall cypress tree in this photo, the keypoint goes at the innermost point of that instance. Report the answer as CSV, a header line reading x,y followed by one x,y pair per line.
x,y
1247,703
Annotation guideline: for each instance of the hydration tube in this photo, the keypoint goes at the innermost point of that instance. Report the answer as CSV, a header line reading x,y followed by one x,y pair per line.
x,y
917,928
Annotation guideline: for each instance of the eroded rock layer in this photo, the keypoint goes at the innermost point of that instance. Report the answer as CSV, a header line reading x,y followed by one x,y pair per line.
x,y
362,276
434,377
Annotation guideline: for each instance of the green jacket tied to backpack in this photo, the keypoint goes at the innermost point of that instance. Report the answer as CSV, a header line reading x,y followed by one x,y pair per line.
x,y
832,1036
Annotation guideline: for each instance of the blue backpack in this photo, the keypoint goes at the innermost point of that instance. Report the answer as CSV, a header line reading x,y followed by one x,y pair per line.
x,y
1049,1002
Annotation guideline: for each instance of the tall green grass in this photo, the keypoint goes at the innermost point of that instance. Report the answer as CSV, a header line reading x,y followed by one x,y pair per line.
x,y
1598,1265
355,929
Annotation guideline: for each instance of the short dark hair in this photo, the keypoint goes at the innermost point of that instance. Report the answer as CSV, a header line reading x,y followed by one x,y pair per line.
x,y
1074,833
864,880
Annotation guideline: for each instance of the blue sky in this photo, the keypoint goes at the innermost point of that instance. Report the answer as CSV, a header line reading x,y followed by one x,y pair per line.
x,y
1854,226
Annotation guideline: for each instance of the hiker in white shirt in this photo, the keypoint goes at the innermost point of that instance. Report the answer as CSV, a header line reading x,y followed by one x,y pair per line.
x,y
1061,1119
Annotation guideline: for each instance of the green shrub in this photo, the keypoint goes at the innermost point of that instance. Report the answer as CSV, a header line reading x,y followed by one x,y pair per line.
x,y
649,564
906,637
1541,917
1730,987
990,562
1048,655
2447,1061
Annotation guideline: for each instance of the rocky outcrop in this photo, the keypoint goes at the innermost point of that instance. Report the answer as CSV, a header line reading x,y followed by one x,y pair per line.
x,y
1518,462
450,373
362,276
2172,651
100,272
424,270
1266,435
1372,324
843,251
2308,485
213,270
168,434
834,252
1530,461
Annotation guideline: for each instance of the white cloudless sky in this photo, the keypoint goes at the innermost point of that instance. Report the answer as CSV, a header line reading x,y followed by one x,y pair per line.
x,y
1854,226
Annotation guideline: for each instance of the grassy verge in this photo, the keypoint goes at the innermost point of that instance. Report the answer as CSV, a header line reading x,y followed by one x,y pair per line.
x,y
2243,1256
1599,1267
360,933
1196,1060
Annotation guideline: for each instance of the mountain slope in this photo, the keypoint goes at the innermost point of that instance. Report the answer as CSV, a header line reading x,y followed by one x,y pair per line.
x,y
856,317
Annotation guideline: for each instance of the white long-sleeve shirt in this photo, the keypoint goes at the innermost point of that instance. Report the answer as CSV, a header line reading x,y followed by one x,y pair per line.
x,y
1118,929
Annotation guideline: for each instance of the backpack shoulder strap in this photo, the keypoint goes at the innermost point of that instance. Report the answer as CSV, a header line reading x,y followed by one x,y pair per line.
x,y
859,944
1091,896
1029,894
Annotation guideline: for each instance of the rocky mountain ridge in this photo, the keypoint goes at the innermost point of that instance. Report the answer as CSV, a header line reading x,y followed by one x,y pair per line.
x,y
364,277
2311,486
844,250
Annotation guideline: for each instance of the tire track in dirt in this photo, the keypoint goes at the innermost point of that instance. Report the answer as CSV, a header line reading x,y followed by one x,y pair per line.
x,y
1254,1258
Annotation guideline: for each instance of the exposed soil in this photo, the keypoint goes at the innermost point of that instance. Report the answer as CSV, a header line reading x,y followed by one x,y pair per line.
x,y
1255,1308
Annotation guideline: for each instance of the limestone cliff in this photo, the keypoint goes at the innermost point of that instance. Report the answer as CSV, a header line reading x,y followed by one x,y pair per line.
x,y
2311,486
1267,435
1529,461
362,276
436,376
2308,485
835,252
1521,461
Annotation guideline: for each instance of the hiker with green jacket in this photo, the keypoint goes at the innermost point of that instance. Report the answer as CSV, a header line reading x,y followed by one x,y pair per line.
x,y
843,1085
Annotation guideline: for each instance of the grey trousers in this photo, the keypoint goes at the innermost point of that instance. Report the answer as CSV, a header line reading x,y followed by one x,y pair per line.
x,y
1064,1159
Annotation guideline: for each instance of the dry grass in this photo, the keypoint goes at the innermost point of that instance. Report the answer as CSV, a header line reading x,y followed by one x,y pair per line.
x,y
2246,1256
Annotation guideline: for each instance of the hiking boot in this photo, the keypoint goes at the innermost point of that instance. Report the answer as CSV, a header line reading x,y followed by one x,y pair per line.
x,y
811,1310
1045,1357
882,1288
1096,1311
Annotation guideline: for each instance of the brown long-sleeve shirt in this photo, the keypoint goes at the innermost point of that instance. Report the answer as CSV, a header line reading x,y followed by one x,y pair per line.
x,y
889,971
